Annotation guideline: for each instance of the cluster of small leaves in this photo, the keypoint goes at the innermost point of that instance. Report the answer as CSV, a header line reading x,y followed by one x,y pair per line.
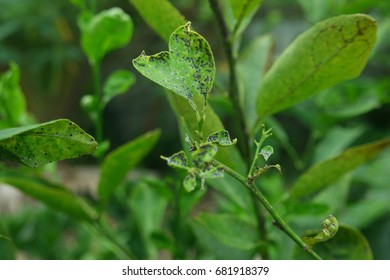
x,y
202,158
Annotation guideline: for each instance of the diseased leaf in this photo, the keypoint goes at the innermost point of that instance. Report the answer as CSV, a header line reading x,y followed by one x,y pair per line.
x,y
347,244
328,171
178,160
221,138
104,32
329,53
229,155
117,83
204,154
189,182
119,162
36,145
188,67
53,196
160,15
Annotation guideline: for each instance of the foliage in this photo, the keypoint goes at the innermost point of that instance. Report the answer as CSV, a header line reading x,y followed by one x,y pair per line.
x,y
331,160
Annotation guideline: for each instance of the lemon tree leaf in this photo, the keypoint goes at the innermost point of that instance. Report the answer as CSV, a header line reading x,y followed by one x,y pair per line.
x,y
36,145
329,53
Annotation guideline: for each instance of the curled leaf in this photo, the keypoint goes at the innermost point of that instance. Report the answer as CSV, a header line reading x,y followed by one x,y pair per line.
x,y
204,154
189,182
266,152
330,228
221,138
178,160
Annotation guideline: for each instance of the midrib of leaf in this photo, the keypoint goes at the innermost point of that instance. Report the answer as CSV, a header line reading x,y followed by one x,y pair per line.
x,y
319,65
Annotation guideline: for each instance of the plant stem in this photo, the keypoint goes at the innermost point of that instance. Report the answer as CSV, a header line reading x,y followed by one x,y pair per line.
x,y
279,222
264,135
98,120
233,82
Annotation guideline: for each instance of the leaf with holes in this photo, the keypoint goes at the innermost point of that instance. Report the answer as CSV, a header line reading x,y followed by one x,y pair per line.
x,y
221,138
188,67
36,145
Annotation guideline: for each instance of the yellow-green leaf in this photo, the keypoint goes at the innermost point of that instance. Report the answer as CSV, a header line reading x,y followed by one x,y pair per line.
x,y
329,53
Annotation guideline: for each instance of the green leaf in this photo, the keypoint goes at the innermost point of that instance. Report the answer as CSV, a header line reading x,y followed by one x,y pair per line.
x,y
160,15
36,145
266,152
229,155
117,83
148,202
53,196
347,244
178,160
225,236
330,226
221,138
104,32
187,69
328,171
189,182
7,247
243,12
12,101
119,162
204,154
329,53
251,68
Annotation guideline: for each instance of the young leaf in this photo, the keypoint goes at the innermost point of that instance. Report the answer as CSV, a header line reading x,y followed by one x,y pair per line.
x,y
12,101
119,162
178,160
117,83
53,196
330,52
347,244
221,138
36,145
204,154
104,32
266,152
328,231
187,69
326,172
189,182
160,15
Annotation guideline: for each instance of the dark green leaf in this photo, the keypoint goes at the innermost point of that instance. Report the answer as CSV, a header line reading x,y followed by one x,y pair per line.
x,y
36,145
53,196
7,247
104,32
326,172
160,15
119,162
117,83
329,53
347,244
187,69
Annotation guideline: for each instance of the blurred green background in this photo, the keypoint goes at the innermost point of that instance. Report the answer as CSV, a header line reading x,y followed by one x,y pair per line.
x,y
43,38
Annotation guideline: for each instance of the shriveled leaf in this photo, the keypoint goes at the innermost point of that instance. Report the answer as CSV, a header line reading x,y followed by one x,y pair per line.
x,y
211,172
226,232
12,101
36,145
189,182
221,138
53,196
229,155
160,15
330,52
119,162
329,229
266,152
328,171
104,32
117,83
178,160
347,244
204,154
188,67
